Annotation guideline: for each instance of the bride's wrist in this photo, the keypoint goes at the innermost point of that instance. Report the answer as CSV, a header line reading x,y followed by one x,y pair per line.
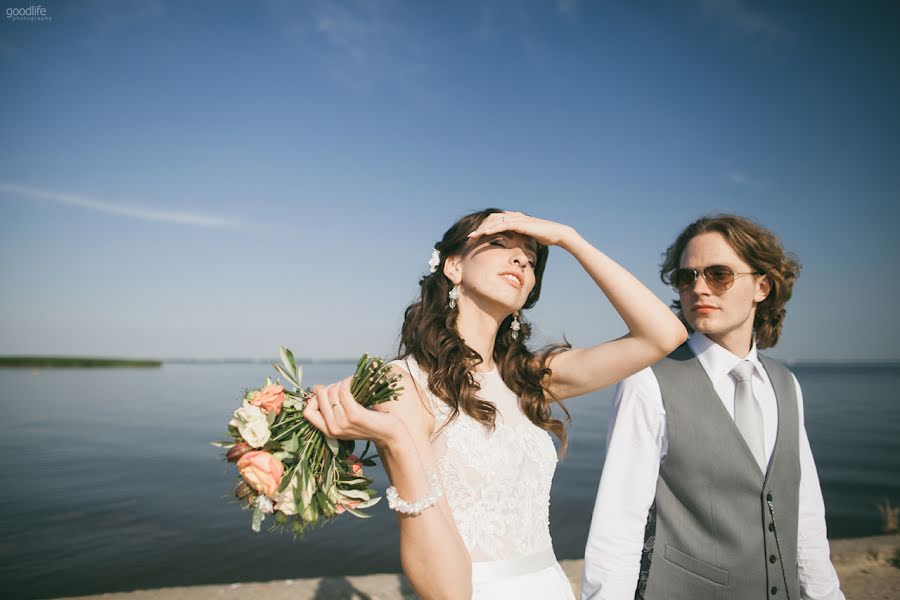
x,y
570,239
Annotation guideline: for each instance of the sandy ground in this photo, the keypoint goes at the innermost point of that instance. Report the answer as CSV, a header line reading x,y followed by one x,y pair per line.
x,y
869,569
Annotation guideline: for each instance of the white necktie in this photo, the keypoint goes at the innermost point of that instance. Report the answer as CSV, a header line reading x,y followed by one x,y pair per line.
x,y
747,413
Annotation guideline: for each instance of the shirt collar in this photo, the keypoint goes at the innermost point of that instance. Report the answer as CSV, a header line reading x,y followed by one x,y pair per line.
x,y
717,361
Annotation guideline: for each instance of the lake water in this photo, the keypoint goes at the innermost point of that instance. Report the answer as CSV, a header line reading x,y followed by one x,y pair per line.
x,y
109,483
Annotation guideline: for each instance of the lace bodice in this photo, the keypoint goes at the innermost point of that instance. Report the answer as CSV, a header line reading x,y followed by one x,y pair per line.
x,y
496,482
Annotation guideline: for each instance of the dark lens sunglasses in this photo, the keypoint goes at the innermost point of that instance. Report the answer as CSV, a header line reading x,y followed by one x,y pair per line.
x,y
719,278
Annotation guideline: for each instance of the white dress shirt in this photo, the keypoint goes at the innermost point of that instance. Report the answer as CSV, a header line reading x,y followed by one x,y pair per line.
x,y
638,442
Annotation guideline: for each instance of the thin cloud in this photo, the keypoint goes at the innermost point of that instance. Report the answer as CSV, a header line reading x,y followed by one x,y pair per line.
x,y
522,22
357,44
743,179
567,8
733,15
354,33
131,211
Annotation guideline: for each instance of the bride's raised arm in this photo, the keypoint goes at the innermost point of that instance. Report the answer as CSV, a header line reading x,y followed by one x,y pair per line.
x,y
653,329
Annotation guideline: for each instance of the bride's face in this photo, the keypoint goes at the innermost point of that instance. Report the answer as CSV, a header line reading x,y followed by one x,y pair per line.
x,y
498,269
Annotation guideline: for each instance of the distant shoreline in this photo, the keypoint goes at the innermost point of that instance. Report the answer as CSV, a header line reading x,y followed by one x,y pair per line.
x,y
75,362
87,362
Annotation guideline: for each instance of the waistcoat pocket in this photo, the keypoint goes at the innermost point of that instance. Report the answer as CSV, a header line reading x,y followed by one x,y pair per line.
x,y
696,567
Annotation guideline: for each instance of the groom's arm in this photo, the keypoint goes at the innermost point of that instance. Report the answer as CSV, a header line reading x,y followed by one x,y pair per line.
x,y
635,445
818,580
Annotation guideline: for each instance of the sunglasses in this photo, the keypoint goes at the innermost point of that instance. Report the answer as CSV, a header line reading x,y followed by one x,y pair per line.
x,y
719,278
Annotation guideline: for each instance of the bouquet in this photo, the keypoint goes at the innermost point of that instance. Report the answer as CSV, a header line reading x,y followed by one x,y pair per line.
x,y
290,468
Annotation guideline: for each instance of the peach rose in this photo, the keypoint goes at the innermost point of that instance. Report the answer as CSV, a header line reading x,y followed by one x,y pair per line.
x,y
269,398
356,467
261,471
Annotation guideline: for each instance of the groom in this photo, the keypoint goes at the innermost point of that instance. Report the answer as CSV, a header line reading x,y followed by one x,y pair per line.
x,y
709,489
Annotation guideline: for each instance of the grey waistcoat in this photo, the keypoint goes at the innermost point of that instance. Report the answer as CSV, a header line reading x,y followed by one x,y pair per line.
x,y
714,532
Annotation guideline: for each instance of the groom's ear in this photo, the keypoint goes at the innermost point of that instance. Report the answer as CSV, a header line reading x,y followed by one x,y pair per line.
x,y
453,269
763,288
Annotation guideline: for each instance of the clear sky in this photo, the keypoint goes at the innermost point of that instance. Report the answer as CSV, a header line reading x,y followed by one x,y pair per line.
x,y
213,179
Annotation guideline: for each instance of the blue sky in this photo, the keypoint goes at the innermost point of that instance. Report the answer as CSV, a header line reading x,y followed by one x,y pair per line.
x,y
214,179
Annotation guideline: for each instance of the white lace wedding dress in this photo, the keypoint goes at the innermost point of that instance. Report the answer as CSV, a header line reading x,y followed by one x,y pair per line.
x,y
498,486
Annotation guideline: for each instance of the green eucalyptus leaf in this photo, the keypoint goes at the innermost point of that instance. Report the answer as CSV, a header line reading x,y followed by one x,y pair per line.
x,y
355,494
329,477
332,445
332,493
291,445
287,357
369,503
357,513
357,481
286,479
325,505
287,376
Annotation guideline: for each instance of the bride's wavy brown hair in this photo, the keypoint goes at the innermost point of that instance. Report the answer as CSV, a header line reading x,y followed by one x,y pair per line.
x,y
429,335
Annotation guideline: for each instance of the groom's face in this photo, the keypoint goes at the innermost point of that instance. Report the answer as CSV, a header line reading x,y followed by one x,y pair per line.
x,y
719,313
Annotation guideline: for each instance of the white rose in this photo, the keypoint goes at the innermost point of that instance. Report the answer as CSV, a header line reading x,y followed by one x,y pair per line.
x,y
252,424
285,501
255,433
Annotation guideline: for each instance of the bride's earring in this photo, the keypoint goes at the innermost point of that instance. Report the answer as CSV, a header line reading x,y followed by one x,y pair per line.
x,y
515,326
453,295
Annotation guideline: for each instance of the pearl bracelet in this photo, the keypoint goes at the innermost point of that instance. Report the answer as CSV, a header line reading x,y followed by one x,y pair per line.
x,y
395,502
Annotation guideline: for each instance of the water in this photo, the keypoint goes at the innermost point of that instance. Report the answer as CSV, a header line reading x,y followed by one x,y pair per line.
x,y
108,482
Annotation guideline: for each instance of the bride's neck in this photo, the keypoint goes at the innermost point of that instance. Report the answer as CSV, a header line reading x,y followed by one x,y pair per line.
x,y
478,329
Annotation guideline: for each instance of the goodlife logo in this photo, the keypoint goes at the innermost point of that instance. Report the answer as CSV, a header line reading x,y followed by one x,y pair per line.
x,y
32,13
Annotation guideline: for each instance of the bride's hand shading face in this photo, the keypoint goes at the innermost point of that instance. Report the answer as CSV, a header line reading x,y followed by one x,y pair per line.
x,y
499,268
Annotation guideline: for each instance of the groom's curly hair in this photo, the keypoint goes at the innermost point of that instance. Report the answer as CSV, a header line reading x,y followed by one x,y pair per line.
x,y
759,248
429,334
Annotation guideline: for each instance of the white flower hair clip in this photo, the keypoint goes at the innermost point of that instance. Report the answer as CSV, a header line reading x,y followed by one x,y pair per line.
x,y
435,260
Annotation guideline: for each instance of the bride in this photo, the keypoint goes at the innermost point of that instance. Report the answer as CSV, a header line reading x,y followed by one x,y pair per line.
x,y
467,445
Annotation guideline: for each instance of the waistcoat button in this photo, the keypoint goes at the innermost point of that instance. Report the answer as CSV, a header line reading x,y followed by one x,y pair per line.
x,y
772,559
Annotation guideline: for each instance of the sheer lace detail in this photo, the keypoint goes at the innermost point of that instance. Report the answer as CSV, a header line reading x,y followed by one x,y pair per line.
x,y
497,482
